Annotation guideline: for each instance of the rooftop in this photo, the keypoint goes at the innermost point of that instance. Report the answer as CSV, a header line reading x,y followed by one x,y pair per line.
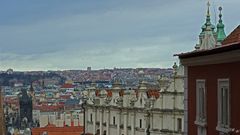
x,y
233,38
53,130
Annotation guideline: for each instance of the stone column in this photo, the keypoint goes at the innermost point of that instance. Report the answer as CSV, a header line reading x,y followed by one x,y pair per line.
x,y
101,121
94,120
125,119
85,123
146,117
119,123
133,123
108,122
151,120
147,122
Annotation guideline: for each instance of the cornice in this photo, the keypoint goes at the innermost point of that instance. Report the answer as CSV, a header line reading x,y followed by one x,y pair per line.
x,y
224,57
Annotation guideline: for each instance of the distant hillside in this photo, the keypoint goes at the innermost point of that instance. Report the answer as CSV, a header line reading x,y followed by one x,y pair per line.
x,y
26,79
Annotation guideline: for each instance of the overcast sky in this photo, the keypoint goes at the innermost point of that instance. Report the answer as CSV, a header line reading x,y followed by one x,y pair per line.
x,y
75,34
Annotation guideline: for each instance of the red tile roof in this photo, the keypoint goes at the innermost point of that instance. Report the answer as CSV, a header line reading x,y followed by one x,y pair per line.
x,y
97,92
121,93
153,93
64,96
109,93
58,130
233,37
48,108
67,86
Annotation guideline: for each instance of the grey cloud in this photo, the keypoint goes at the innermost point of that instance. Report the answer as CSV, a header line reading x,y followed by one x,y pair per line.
x,y
124,35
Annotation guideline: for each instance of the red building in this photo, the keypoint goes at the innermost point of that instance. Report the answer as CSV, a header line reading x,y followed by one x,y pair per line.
x,y
212,85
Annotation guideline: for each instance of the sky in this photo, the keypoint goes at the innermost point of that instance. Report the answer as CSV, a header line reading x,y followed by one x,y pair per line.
x,y
76,34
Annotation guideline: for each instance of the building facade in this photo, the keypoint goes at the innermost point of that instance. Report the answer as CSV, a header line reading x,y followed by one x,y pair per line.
x,y
71,118
212,82
140,111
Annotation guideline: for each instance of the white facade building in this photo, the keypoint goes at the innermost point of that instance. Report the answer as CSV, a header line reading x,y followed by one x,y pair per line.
x,y
143,111
59,119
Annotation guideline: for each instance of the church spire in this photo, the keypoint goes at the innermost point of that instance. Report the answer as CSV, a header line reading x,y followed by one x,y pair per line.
x,y
208,13
220,28
208,40
207,36
208,18
31,87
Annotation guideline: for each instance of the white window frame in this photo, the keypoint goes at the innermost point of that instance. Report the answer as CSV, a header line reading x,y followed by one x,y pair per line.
x,y
225,128
201,109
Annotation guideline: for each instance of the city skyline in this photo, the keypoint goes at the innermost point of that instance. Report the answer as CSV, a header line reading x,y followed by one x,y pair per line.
x,y
59,35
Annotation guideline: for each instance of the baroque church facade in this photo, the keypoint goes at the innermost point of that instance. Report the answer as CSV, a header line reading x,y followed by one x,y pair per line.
x,y
141,111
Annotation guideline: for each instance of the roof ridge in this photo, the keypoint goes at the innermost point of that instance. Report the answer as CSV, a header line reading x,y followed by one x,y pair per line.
x,y
233,37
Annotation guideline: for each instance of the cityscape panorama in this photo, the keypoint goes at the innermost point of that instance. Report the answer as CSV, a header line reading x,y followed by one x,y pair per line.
x,y
124,67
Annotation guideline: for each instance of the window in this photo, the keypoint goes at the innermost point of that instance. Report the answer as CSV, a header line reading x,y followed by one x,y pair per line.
x,y
45,133
201,117
68,117
114,121
179,124
140,123
223,104
58,115
91,120
75,116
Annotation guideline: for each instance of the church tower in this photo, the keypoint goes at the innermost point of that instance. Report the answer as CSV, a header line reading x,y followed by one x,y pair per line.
x,y
220,29
209,38
2,118
25,102
32,92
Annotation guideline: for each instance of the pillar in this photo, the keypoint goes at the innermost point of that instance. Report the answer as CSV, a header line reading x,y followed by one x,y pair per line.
x,y
101,121
125,119
133,123
94,120
85,120
119,123
108,122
